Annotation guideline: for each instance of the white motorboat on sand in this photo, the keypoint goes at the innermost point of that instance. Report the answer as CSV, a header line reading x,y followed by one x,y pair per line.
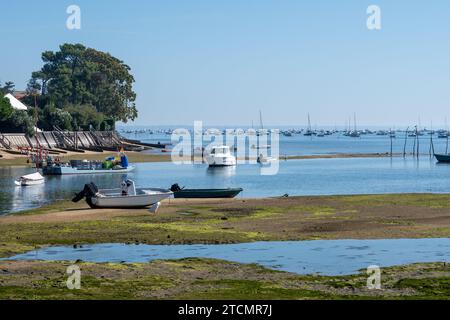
x,y
126,197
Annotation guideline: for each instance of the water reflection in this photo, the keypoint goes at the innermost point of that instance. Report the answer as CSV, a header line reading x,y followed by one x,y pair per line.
x,y
22,195
221,171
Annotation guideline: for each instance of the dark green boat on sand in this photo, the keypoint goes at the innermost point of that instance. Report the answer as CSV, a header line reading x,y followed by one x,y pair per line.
x,y
204,193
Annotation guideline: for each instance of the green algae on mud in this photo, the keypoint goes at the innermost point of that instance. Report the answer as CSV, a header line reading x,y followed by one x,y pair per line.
x,y
195,278
231,221
244,220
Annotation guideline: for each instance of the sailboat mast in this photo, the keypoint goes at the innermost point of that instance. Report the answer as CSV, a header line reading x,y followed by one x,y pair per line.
x,y
260,119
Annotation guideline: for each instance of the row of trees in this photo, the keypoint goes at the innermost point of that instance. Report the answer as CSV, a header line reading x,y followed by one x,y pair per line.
x,y
80,88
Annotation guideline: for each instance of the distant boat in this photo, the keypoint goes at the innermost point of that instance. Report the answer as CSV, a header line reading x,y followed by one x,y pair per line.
x,y
261,146
391,133
88,169
308,131
220,156
204,193
30,180
265,160
110,165
355,132
443,158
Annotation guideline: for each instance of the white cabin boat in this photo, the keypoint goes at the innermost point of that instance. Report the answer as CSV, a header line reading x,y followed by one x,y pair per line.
x,y
220,156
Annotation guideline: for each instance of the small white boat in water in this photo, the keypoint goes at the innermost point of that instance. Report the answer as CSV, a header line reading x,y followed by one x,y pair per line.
x,y
30,180
220,156
265,160
261,146
126,197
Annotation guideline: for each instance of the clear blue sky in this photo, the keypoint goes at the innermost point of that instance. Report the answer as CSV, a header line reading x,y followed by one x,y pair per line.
x,y
223,61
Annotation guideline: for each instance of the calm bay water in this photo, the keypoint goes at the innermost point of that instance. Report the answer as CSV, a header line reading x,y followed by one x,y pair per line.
x,y
295,177
303,257
299,144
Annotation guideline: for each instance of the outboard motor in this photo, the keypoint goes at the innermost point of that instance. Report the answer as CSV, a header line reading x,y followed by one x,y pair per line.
x,y
175,187
89,191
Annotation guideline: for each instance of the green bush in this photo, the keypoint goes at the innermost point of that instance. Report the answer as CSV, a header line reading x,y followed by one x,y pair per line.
x,y
15,120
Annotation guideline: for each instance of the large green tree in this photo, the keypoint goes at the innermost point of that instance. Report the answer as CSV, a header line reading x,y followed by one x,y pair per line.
x,y
76,75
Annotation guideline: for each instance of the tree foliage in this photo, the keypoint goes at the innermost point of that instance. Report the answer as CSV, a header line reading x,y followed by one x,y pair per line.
x,y
80,76
8,87
14,120
85,117
5,108
51,116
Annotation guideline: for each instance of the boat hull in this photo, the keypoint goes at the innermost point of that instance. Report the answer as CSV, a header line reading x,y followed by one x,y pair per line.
x,y
60,171
207,193
221,161
27,183
442,158
147,198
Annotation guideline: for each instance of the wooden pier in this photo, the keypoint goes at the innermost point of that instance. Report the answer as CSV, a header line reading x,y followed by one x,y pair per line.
x,y
60,141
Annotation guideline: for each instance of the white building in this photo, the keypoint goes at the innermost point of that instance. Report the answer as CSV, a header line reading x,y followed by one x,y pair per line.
x,y
16,104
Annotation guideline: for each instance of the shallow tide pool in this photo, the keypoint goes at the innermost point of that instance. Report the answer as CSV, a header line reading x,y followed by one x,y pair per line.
x,y
326,257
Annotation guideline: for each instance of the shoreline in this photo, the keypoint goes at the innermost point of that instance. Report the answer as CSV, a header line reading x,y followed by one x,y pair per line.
x,y
136,157
189,221
13,160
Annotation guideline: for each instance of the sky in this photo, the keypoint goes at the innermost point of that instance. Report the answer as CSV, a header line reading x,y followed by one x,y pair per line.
x,y
221,61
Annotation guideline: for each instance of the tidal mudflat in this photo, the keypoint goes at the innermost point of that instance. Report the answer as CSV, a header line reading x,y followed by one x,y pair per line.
x,y
221,222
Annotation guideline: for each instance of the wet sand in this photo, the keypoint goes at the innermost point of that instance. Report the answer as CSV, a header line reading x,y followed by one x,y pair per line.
x,y
240,220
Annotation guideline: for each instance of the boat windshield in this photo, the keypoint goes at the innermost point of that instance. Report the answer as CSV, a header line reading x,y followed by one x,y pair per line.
x,y
219,150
